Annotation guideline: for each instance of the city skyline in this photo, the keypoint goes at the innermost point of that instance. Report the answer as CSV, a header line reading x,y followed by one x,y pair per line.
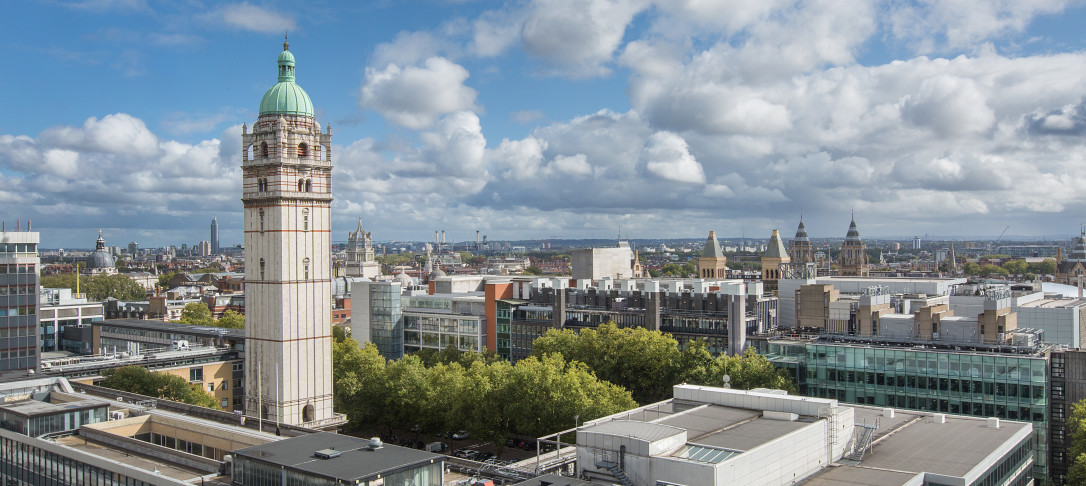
x,y
557,119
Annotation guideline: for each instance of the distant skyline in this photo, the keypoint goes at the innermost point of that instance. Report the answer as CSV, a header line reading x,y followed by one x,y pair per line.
x,y
556,118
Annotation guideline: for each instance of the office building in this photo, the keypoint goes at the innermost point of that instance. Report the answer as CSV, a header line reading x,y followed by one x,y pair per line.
x,y
19,328
377,316
287,168
214,236
59,311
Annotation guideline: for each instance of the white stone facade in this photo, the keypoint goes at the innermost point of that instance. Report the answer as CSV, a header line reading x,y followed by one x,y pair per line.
x,y
287,196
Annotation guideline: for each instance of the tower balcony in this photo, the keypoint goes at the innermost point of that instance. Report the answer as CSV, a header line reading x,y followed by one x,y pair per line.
x,y
272,196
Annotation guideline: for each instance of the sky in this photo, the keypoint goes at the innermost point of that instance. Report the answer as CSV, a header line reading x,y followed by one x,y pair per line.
x,y
548,119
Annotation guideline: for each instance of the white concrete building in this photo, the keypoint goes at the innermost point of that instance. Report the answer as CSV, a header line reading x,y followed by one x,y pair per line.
x,y
714,436
598,263
60,310
286,191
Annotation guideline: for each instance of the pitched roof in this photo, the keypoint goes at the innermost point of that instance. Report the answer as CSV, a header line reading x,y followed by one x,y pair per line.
x,y
712,247
775,248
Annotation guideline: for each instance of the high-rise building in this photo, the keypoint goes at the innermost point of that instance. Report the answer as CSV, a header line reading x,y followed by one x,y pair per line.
x,y
287,167
214,236
133,248
19,266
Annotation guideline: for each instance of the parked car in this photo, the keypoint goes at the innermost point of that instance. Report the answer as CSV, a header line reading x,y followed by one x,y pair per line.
x,y
462,452
437,447
483,456
461,435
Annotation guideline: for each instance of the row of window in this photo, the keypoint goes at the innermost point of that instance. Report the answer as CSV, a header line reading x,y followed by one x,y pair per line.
x,y
18,247
305,220
24,464
18,268
305,268
18,289
304,185
17,331
303,150
1009,411
22,310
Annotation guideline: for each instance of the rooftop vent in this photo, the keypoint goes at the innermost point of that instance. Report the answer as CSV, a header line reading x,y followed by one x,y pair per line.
x,y
939,418
327,453
993,422
375,443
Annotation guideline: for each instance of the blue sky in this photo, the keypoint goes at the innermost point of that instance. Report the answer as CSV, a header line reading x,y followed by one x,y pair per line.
x,y
567,118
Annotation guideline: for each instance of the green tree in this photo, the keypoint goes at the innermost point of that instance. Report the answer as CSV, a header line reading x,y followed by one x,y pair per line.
x,y
164,280
137,379
751,370
231,320
1076,451
1045,267
671,269
971,268
117,286
197,314
991,269
1016,267
533,270
98,287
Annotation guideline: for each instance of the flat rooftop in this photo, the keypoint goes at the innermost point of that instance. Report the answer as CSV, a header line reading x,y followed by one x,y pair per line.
x,y
354,462
1056,303
35,408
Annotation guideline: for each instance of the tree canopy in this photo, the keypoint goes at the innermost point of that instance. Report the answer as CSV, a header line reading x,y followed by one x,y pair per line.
x,y
98,287
491,400
649,363
1076,451
198,314
137,379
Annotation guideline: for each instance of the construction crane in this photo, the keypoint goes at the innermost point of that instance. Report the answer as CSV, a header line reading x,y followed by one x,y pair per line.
x,y
992,246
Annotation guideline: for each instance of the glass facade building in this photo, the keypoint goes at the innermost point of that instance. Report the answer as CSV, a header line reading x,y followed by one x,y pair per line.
x,y
35,418
437,322
27,461
1007,386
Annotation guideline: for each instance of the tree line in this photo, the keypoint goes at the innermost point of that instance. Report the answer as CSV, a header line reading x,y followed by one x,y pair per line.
x,y
98,287
492,400
650,363
137,379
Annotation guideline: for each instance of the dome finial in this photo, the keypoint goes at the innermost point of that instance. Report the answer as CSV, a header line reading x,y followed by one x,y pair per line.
x,y
286,45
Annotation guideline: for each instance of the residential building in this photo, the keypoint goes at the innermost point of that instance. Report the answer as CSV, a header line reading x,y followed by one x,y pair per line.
x,y
286,193
19,306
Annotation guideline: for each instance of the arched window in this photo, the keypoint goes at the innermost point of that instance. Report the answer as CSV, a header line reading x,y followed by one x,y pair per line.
x,y
319,153
305,269
301,185
308,413
308,185
264,148
303,150
261,269
261,220
305,220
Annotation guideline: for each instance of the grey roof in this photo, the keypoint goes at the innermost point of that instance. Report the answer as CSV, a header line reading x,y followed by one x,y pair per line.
x,y
801,232
553,480
853,233
749,435
712,247
174,327
937,448
705,420
356,462
631,428
848,476
775,248
35,408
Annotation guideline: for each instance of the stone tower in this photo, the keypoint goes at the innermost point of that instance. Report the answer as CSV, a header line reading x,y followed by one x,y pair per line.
x,y
801,250
361,259
853,259
286,192
775,255
712,263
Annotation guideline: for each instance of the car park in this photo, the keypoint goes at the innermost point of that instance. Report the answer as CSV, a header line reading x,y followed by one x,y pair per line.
x,y
461,435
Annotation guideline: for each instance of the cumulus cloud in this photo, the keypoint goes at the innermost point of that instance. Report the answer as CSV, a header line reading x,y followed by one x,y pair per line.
x,y
950,106
579,35
415,96
667,156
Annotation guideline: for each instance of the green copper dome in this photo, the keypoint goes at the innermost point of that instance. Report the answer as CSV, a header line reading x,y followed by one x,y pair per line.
x,y
286,97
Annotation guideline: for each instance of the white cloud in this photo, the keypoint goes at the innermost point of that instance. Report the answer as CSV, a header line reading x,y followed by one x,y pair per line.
x,y
931,26
579,35
257,19
415,96
667,156
950,106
